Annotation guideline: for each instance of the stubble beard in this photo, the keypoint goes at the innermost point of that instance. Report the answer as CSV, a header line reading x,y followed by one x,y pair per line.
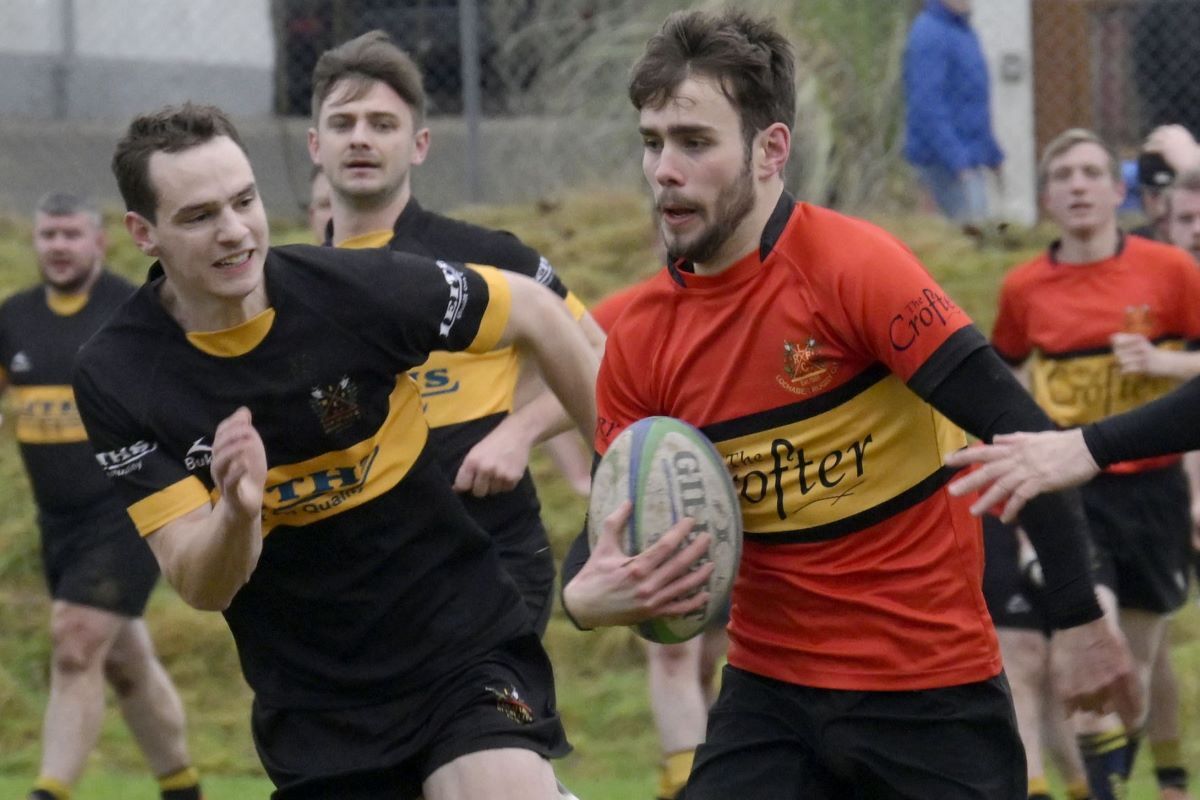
x,y
733,205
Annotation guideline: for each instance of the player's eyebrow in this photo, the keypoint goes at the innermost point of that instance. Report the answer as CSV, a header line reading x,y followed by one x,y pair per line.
x,y
680,129
249,188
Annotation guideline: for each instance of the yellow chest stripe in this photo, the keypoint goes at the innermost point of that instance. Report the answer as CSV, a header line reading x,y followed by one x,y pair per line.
x,y
843,462
47,415
1083,389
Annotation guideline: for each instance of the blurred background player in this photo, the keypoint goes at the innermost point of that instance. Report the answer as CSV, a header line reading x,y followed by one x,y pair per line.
x,y
1057,316
948,122
99,572
320,204
1012,587
485,411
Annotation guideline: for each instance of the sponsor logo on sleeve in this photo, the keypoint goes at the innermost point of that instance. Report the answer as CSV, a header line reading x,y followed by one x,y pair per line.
x,y
125,460
458,296
199,455
545,272
932,310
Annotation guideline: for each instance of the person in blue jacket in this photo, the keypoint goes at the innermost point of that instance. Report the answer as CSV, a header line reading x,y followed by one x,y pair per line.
x,y
948,132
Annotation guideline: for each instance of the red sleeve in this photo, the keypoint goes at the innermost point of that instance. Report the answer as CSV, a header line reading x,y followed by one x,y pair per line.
x,y
900,313
1189,299
1010,334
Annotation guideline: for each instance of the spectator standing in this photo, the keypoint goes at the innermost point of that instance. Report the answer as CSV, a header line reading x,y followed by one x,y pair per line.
x,y
948,130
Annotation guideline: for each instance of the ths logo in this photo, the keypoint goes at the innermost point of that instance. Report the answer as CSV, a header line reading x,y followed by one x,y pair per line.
x,y
336,405
545,272
125,460
1139,319
457,282
20,363
805,369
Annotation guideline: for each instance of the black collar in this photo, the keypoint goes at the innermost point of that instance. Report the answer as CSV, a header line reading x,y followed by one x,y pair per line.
x,y
1052,252
410,214
770,235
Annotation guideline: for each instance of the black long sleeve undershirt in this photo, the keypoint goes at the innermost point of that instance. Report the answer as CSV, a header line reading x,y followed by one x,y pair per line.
x,y
1170,424
982,396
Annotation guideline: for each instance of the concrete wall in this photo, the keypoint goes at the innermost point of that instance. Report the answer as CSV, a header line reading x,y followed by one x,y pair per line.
x,y
89,59
1005,30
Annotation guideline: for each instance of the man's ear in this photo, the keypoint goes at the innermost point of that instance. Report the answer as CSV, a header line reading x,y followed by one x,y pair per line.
x,y
141,230
421,150
774,145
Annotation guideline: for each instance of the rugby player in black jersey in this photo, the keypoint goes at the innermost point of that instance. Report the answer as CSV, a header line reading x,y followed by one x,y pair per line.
x,y
254,408
100,576
368,134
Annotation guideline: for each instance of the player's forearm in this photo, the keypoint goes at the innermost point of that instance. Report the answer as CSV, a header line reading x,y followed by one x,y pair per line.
x,y
208,555
568,363
539,419
1170,424
1176,364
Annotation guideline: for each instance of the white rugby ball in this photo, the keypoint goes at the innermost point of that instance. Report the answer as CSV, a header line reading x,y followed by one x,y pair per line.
x,y
670,470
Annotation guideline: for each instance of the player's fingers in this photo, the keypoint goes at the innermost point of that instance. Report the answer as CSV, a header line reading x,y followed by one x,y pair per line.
x,y
1127,701
992,495
667,544
684,605
611,527
465,479
482,485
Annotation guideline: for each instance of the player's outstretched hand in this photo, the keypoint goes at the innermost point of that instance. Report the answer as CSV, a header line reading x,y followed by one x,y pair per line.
x,y
1093,671
614,588
239,464
1017,467
495,464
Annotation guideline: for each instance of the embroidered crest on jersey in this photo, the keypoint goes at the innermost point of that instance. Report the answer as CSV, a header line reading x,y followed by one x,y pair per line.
x,y
20,363
458,296
1139,319
805,370
509,703
545,272
336,404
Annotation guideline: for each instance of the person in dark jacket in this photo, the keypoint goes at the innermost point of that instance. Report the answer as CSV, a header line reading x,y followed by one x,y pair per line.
x,y
948,132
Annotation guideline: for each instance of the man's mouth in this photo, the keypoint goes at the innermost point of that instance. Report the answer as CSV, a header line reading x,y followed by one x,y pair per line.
x,y
234,261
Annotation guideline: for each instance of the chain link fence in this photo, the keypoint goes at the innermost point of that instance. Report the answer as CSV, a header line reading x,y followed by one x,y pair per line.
x,y
551,108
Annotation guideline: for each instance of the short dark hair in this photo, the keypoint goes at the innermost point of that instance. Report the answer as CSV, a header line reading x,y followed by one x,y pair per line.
x,y
362,61
750,60
169,130
67,204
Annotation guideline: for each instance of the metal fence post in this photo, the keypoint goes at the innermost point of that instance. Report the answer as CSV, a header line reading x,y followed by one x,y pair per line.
x,y
468,39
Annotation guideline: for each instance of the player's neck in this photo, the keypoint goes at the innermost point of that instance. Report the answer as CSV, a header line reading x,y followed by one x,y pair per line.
x,y
55,294
350,221
748,234
200,312
1088,246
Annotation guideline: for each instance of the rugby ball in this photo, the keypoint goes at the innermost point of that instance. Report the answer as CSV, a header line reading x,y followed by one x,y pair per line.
x,y
670,470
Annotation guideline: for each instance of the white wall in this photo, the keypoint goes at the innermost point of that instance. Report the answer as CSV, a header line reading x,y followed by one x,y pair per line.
x,y
1006,32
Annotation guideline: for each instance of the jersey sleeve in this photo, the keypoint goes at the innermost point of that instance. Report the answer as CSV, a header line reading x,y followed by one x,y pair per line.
x,y
898,311
155,488
1010,335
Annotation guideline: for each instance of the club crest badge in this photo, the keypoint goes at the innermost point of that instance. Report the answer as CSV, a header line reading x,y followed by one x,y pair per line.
x,y
805,369
1139,319
336,405
510,704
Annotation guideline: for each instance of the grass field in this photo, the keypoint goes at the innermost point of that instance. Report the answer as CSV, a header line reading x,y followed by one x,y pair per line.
x,y
599,241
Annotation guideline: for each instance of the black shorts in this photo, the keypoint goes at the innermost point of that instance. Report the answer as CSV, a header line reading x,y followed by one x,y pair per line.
x,y
769,740
386,751
532,570
1012,600
1141,528
96,558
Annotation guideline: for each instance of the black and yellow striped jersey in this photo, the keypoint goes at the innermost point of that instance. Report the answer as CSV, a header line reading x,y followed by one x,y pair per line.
x,y
466,395
373,580
39,339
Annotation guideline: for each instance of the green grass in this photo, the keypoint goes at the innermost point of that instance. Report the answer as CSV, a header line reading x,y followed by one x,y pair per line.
x,y
599,240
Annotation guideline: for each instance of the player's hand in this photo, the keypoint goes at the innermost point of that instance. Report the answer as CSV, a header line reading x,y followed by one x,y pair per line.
x,y
1093,671
239,464
1135,354
1017,467
1177,146
495,464
614,588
